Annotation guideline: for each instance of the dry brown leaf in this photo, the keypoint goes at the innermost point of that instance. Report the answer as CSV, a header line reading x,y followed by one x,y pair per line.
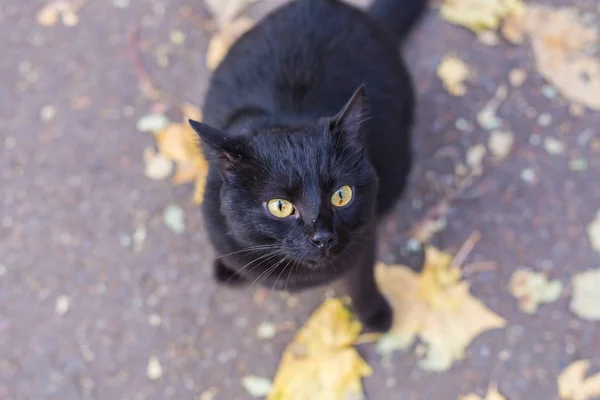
x,y
593,231
573,385
453,73
585,302
222,40
558,41
321,363
533,288
178,142
435,306
492,394
479,15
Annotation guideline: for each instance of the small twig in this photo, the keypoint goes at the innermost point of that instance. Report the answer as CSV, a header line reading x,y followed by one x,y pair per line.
x,y
466,248
148,87
477,267
368,338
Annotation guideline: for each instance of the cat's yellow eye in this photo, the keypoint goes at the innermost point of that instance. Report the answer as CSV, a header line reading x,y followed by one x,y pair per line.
x,y
342,196
280,208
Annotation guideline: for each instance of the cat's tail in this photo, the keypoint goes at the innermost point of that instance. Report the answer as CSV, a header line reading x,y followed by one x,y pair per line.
x,y
398,16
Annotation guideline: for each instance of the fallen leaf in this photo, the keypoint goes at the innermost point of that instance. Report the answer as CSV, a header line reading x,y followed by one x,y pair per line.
x,y
266,330
222,40
475,156
224,11
554,146
517,77
479,15
179,143
558,42
256,386
593,231
173,217
500,144
533,288
152,123
585,302
154,369
49,14
157,166
492,394
453,72
435,306
573,385
63,303
321,363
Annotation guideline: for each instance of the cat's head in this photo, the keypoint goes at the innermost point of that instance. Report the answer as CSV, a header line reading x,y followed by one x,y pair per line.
x,y
309,191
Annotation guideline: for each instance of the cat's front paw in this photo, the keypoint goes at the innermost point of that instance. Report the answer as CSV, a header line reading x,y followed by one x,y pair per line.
x,y
378,317
225,276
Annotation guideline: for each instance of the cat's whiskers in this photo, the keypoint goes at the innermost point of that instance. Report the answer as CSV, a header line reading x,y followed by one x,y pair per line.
x,y
252,248
289,273
264,257
265,274
279,276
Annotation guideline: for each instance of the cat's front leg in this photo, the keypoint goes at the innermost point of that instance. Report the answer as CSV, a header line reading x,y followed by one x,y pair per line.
x,y
371,307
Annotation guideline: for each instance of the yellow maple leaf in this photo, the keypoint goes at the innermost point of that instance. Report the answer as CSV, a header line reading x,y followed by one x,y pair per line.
x,y
573,385
178,142
321,363
222,40
479,15
492,394
435,306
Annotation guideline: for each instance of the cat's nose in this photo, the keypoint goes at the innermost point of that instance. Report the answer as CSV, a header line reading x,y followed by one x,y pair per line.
x,y
322,239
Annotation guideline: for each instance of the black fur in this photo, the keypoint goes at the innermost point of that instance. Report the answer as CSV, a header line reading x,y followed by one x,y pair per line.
x,y
287,116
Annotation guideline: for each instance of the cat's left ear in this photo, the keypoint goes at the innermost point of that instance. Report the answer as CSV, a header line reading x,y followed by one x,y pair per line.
x,y
349,120
231,151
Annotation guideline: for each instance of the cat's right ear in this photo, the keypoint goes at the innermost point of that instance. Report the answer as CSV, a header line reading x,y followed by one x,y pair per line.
x,y
231,151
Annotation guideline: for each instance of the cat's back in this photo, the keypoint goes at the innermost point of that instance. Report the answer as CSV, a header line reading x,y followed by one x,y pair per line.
x,y
306,58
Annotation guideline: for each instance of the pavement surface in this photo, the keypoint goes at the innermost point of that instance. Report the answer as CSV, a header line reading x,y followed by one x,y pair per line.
x,y
93,284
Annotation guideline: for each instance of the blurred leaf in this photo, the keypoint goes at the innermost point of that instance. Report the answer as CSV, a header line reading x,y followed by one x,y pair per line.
x,y
453,73
321,363
533,288
586,295
173,217
256,386
157,166
222,40
177,142
593,231
479,15
559,40
436,307
500,144
492,394
49,14
573,385
152,123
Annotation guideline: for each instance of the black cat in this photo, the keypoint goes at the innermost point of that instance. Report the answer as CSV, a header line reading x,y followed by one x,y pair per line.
x,y
307,130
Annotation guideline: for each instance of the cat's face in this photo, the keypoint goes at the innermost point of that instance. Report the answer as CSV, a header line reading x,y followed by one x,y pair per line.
x,y
309,191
